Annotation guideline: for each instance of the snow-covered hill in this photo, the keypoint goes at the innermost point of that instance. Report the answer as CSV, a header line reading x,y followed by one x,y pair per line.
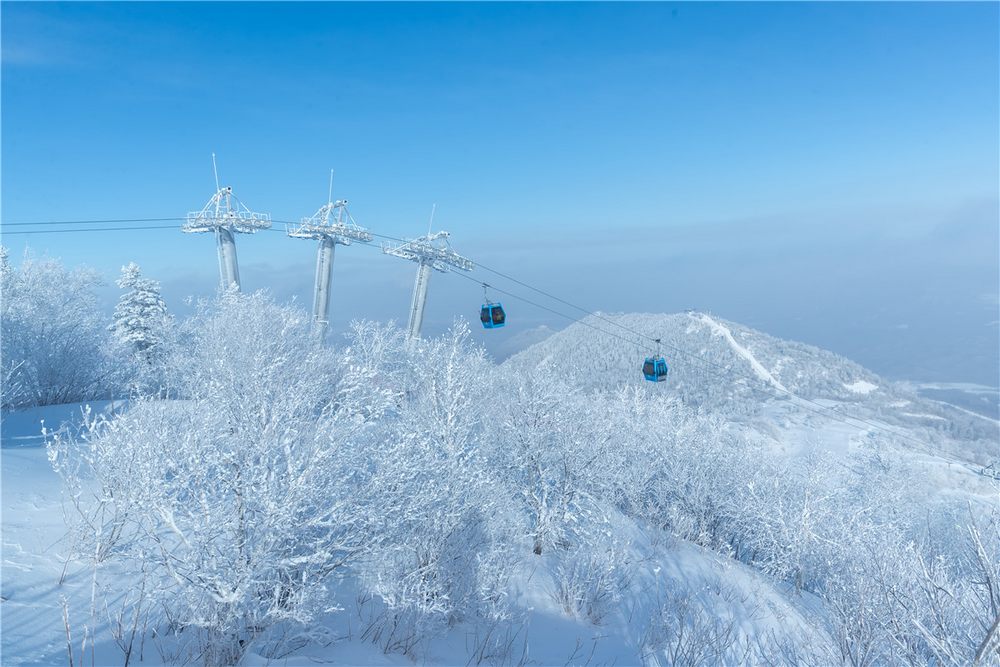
x,y
727,368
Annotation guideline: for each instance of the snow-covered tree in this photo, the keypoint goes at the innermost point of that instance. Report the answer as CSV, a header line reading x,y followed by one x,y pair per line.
x,y
236,502
51,333
549,444
443,540
141,326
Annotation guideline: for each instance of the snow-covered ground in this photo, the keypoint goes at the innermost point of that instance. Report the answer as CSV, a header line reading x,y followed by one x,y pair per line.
x,y
975,399
33,555
861,387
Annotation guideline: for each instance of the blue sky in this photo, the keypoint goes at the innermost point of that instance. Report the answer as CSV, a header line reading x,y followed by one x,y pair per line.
x,y
827,172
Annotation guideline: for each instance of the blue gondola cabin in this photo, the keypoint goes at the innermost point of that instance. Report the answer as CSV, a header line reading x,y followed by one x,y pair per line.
x,y
655,369
492,316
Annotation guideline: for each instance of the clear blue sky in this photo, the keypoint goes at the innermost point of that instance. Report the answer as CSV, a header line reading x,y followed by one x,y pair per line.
x,y
822,171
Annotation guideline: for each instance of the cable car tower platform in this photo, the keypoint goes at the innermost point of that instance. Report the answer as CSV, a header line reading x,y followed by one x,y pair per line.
x,y
331,225
429,252
225,214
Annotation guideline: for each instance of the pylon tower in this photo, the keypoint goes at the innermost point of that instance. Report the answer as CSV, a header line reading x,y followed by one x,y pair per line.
x,y
224,215
331,225
432,251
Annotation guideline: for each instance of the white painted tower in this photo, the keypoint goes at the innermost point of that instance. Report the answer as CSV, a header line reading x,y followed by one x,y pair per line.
x,y
224,215
331,225
429,252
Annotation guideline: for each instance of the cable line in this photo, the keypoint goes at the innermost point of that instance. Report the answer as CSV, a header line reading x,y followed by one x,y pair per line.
x,y
555,312
563,301
528,301
106,229
86,222
80,231
22,223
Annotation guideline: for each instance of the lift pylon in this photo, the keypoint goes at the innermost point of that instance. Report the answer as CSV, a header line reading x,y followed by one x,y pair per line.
x,y
331,225
225,214
429,252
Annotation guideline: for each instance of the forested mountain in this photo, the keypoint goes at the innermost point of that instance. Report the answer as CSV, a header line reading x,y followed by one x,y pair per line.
x,y
736,371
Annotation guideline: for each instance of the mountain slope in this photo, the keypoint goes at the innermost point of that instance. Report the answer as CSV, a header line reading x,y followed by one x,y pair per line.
x,y
724,367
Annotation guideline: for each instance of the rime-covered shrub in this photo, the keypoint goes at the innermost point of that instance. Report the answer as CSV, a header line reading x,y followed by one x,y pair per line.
x,y
442,533
591,580
552,448
287,465
235,504
51,334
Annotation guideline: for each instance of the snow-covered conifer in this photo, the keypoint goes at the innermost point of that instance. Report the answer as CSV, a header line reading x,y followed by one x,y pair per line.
x,y
140,324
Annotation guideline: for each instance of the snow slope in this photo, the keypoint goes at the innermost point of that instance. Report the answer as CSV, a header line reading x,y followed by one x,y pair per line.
x,y
722,330
703,351
34,543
